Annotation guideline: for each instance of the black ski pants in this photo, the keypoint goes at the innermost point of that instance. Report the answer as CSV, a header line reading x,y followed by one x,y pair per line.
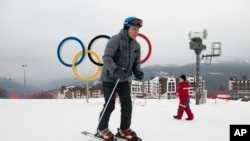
x,y
123,91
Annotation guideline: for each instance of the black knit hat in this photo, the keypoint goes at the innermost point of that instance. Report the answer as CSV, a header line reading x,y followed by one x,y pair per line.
x,y
183,76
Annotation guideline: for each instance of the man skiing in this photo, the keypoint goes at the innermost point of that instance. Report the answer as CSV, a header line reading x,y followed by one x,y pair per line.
x,y
121,59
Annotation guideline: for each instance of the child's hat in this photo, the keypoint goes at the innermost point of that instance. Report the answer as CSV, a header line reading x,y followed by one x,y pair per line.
x,y
183,76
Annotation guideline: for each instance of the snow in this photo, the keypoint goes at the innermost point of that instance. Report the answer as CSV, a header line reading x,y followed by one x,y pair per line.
x,y
63,120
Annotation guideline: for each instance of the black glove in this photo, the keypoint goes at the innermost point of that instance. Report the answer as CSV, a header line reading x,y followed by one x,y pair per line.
x,y
139,75
120,73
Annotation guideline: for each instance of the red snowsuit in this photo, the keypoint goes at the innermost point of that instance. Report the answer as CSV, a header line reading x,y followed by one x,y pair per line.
x,y
183,92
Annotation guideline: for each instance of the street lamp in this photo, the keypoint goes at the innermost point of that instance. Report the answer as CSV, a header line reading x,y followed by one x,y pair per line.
x,y
24,75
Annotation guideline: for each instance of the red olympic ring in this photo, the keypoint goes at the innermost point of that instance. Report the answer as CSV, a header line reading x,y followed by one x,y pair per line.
x,y
149,48
107,37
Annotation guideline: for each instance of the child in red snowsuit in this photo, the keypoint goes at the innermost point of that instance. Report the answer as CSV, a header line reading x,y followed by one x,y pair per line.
x,y
183,93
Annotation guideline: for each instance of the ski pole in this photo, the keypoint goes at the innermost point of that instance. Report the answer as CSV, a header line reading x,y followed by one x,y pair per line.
x,y
108,102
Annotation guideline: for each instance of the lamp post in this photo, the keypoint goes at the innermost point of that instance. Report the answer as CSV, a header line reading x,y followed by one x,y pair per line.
x,y
24,76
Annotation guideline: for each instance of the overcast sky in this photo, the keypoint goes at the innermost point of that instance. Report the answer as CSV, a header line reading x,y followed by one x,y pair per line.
x,y
31,30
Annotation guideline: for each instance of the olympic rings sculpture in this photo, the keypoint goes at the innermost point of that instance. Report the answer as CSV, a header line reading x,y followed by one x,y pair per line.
x,y
90,53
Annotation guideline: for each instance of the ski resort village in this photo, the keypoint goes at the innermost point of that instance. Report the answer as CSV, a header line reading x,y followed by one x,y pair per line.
x,y
159,87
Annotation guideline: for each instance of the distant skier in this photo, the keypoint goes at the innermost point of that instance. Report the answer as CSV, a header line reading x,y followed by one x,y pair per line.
x,y
121,59
183,93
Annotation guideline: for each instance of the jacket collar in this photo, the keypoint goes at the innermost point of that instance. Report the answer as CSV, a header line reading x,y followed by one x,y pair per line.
x,y
125,35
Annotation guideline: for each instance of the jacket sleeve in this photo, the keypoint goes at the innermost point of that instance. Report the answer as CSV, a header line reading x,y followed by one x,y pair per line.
x,y
136,68
110,52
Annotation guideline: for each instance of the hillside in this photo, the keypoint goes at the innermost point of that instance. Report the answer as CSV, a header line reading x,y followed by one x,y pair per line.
x,y
216,76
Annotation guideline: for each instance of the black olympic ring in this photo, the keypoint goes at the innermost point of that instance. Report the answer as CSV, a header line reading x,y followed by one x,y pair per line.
x,y
89,48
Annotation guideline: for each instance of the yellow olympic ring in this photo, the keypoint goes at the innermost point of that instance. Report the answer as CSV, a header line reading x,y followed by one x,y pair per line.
x,y
74,66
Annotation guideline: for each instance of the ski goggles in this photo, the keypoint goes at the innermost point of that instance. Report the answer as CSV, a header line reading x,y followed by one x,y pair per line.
x,y
136,22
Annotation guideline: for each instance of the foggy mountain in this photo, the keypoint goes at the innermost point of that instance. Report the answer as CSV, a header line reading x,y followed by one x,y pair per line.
x,y
216,76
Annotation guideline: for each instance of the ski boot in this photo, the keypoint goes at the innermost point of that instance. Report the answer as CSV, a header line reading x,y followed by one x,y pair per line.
x,y
105,134
128,134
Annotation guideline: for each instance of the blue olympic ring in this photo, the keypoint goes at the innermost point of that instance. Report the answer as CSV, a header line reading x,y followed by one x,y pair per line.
x,y
59,51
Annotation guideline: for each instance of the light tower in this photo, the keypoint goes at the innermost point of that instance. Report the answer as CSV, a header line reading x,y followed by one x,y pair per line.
x,y
197,45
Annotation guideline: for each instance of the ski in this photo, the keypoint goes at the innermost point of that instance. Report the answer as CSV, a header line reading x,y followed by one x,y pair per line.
x,y
93,136
134,139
